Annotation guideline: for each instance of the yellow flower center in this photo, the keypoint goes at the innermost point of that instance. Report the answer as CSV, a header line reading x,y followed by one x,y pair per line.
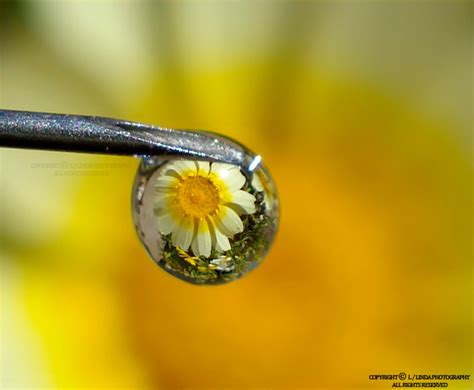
x,y
198,196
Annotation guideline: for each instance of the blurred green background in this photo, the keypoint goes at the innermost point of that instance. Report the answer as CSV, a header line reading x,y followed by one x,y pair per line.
x,y
362,111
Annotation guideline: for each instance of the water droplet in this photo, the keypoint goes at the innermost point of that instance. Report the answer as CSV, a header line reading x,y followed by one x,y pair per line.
x,y
195,239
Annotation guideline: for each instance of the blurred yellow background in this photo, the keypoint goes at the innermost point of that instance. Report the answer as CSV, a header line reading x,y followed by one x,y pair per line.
x,y
362,111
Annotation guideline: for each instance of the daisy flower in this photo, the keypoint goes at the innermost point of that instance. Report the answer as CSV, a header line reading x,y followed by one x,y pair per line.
x,y
200,204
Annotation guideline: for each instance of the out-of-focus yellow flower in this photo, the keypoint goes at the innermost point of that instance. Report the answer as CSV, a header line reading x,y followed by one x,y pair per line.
x,y
361,111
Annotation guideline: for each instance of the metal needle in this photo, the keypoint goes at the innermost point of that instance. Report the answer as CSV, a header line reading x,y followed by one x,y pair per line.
x,y
92,134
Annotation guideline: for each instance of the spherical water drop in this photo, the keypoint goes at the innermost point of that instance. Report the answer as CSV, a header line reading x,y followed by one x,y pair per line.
x,y
205,222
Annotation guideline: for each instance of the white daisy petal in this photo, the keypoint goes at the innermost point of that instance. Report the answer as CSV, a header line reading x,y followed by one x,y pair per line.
x,y
222,242
219,240
228,222
202,168
182,167
202,243
166,183
229,174
163,204
244,201
257,183
183,236
216,167
167,223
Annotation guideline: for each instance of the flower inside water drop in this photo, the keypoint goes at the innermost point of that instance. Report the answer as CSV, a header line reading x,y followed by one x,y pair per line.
x,y
200,205
212,224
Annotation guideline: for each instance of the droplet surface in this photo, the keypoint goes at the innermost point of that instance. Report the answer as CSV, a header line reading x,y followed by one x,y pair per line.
x,y
205,222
